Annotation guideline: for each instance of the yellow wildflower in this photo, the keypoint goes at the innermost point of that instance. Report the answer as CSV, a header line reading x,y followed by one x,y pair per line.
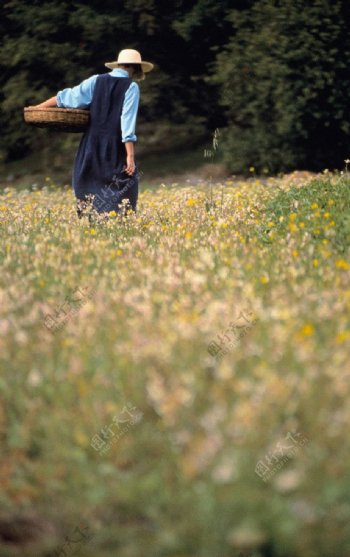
x,y
342,264
67,342
293,227
307,330
342,336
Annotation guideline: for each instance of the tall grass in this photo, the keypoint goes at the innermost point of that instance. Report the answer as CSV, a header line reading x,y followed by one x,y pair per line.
x,y
141,300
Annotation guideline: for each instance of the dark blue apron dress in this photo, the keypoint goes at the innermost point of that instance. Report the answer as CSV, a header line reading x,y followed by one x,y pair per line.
x,y
98,175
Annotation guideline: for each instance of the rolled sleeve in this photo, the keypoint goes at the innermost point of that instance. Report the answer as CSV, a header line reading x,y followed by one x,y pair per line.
x,y
129,113
79,96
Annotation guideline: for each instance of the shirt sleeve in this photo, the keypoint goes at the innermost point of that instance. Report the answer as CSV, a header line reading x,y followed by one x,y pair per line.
x,y
79,96
129,112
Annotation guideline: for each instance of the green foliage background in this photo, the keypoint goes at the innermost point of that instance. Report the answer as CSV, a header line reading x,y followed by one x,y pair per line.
x,y
271,74
285,85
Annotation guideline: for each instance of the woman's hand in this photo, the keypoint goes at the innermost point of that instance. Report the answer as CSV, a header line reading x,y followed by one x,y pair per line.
x,y
130,165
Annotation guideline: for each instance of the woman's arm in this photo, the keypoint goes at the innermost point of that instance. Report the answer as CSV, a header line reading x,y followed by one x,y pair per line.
x,y
50,102
79,96
128,123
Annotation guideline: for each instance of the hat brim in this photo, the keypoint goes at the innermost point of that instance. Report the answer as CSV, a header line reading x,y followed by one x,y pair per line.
x,y
146,66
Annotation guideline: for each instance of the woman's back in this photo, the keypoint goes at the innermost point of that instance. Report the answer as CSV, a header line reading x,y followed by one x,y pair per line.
x,y
101,153
107,101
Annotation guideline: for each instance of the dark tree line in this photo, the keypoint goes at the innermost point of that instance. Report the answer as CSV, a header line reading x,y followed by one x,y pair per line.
x,y
271,74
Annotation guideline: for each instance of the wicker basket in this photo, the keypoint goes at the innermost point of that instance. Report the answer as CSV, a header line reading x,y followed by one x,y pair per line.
x,y
72,120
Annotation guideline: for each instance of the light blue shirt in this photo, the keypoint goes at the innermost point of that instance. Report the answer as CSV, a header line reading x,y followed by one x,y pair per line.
x,y
81,95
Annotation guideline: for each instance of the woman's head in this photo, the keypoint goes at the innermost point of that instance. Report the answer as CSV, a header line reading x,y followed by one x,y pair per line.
x,y
134,70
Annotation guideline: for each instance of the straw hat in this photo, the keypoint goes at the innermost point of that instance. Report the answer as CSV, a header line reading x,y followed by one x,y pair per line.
x,y
130,56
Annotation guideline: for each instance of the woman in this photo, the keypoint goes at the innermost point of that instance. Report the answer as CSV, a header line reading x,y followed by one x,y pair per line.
x,y
104,166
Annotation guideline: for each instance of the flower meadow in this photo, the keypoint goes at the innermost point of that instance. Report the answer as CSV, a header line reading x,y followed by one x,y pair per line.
x,y
177,380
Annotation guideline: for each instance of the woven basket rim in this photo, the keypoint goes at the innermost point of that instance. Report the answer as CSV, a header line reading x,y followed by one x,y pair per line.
x,y
56,109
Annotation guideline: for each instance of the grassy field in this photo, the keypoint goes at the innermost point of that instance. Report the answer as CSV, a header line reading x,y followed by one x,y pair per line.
x,y
176,382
